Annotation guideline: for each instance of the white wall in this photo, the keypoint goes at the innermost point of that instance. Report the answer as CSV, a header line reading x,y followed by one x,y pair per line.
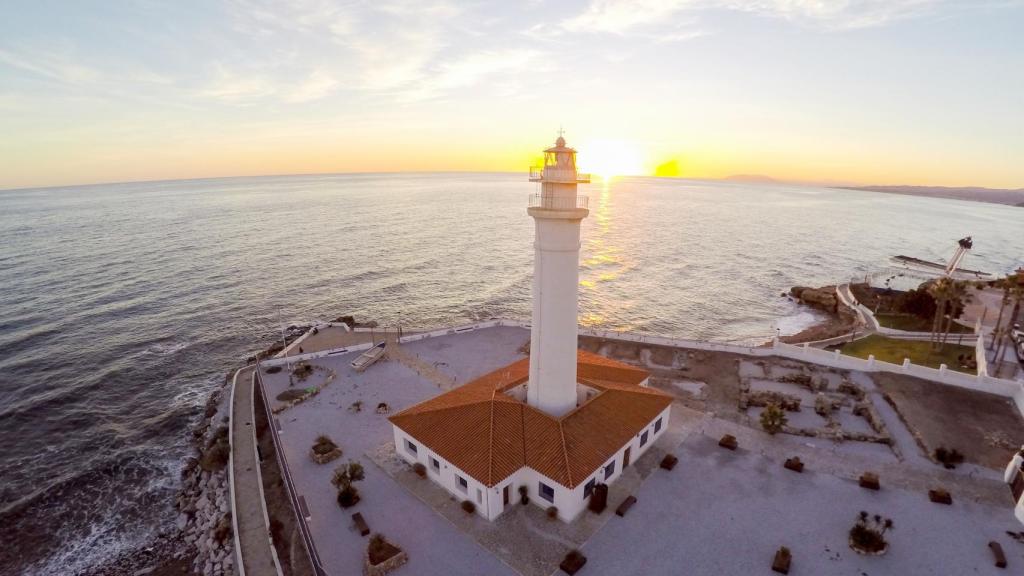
x,y
446,478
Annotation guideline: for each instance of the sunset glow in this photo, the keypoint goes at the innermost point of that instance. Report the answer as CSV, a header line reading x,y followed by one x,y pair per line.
x,y
610,158
904,92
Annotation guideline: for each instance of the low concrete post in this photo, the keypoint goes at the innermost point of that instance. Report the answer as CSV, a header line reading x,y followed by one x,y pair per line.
x,y
906,364
836,354
942,370
871,360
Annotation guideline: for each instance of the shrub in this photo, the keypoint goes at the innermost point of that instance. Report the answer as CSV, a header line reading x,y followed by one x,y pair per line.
x,y
948,458
346,474
273,370
291,394
348,497
324,445
868,534
573,562
343,479
524,495
419,469
773,419
302,371
552,512
468,507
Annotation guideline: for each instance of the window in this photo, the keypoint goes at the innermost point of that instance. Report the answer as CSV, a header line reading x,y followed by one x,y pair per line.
x,y
546,492
589,488
410,447
609,470
435,464
463,485
479,496
643,438
657,426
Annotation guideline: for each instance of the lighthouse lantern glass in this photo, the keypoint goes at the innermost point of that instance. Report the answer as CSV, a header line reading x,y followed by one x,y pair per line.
x,y
565,160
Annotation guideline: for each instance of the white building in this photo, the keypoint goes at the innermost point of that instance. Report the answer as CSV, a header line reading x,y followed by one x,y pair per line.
x,y
558,423
1014,476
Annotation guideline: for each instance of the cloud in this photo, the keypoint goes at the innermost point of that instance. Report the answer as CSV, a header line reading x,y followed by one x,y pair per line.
x,y
51,65
319,84
840,14
473,69
234,87
660,19
621,16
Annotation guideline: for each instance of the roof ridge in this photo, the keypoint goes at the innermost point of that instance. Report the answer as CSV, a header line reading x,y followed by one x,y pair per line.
x,y
565,454
424,410
490,442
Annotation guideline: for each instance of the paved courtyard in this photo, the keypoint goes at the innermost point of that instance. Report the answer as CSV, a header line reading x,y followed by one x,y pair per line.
x,y
434,545
722,512
718,512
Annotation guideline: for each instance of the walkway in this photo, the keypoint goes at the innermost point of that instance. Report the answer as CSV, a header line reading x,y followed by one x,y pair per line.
x,y
417,365
252,538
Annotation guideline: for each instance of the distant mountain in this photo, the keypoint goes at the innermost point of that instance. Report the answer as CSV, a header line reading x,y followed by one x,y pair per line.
x,y
756,178
992,195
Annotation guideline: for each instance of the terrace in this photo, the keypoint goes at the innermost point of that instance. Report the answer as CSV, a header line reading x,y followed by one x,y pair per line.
x,y
717,512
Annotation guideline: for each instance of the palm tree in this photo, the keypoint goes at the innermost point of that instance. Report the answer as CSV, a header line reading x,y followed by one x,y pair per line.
x,y
1002,306
1016,293
958,296
940,290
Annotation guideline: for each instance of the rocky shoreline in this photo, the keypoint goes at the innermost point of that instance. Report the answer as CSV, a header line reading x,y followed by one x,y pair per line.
x,y
841,319
202,540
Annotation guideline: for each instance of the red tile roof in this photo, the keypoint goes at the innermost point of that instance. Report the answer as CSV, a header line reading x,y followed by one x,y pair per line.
x,y
490,435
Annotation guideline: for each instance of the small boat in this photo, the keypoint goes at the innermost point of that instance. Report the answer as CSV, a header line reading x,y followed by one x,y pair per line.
x,y
366,359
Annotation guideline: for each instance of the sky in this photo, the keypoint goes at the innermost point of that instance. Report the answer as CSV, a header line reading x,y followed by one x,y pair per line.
x,y
923,92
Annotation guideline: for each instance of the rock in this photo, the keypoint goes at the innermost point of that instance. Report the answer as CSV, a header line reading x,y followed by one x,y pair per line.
x,y
182,521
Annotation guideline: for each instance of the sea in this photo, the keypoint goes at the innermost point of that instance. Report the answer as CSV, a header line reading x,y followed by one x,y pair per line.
x,y
122,306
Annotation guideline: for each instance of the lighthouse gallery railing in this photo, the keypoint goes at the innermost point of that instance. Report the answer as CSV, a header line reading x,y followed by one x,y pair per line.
x,y
558,202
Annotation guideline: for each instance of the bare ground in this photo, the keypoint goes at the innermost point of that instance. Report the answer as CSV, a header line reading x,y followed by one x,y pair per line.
x,y
986,428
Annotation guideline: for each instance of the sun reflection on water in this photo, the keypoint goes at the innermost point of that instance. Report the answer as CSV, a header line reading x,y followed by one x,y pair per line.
x,y
603,262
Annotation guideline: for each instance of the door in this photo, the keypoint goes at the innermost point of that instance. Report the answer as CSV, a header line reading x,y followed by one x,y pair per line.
x,y
625,457
504,495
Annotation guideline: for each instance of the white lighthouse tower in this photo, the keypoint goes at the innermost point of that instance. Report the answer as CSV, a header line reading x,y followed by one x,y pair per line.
x,y
557,213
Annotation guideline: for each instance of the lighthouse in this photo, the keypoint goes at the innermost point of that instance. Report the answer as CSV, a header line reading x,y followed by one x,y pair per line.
x,y
553,426
557,212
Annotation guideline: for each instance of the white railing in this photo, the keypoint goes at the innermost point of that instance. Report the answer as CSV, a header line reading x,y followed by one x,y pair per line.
x,y
558,202
804,352
549,174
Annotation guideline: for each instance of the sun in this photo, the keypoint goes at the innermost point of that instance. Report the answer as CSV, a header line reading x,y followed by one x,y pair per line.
x,y
608,158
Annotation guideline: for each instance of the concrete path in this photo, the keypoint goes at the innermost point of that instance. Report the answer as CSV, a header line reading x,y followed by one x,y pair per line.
x,y
253,546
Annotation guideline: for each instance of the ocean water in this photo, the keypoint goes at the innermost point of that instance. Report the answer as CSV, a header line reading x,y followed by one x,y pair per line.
x,y
122,306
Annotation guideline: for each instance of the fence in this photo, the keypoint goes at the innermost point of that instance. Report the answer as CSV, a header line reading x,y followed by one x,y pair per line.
x,y
289,483
980,382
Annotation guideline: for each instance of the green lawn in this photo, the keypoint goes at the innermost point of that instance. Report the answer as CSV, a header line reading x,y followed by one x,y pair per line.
x,y
894,351
912,323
